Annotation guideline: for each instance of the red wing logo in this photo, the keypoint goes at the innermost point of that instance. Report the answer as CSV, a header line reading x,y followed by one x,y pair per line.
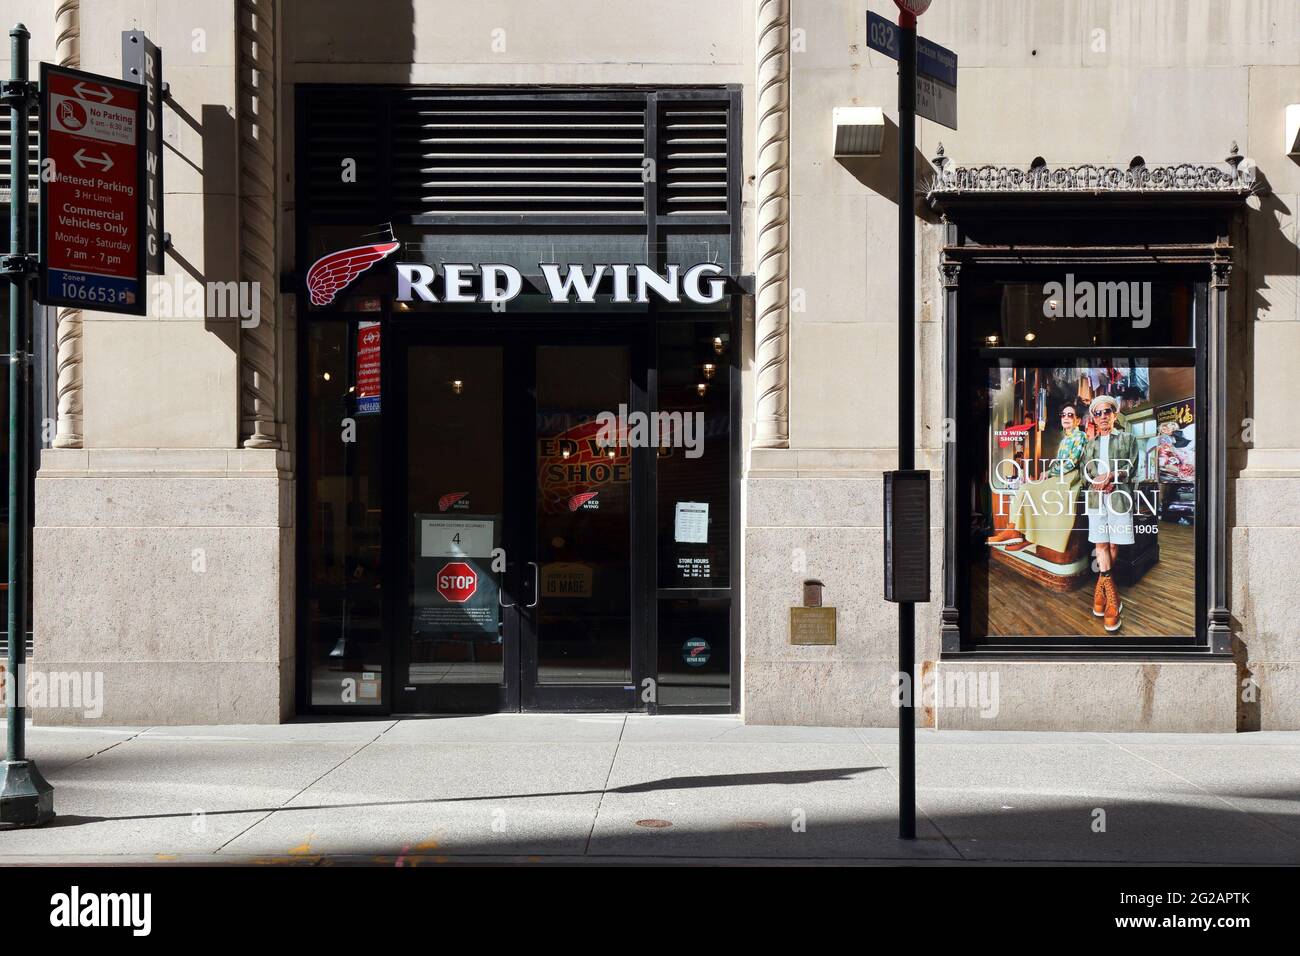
x,y
446,501
329,275
577,501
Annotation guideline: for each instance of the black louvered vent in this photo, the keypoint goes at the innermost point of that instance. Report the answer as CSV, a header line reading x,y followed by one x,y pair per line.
x,y
33,157
531,157
338,128
693,158
515,157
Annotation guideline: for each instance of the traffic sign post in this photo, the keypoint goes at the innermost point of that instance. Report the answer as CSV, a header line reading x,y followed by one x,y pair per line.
x,y
934,95
906,401
26,799
936,69
92,251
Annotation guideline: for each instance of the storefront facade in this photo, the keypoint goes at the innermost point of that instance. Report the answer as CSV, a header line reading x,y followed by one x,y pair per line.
x,y
572,371
561,405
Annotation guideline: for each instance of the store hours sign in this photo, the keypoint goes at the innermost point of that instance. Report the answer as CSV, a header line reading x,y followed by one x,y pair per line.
x,y
92,203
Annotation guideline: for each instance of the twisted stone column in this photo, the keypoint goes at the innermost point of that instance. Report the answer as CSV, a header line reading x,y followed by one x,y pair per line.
x,y
772,272
259,347
68,427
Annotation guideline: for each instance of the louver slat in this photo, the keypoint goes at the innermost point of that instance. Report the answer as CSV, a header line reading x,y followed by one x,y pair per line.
x,y
340,128
531,158
693,151
451,156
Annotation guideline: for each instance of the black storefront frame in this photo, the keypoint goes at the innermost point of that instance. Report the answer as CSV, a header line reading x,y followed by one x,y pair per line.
x,y
1187,236
642,335
655,224
976,362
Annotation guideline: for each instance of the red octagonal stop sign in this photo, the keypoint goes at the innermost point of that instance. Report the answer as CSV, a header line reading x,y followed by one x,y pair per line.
x,y
457,582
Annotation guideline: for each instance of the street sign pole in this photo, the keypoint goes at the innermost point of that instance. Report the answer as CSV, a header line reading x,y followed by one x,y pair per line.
x,y
26,800
906,403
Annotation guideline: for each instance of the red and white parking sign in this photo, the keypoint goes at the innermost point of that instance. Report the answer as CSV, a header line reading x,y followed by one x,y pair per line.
x,y
92,203
457,582
368,365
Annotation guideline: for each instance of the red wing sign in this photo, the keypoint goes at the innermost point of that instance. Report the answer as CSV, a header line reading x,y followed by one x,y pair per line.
x,y
331,274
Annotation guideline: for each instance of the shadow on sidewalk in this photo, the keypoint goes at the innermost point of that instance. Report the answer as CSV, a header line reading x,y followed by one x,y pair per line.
x,y
776,777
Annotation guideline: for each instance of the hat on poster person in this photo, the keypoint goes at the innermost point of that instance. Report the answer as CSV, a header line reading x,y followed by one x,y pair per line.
x,y
1101,401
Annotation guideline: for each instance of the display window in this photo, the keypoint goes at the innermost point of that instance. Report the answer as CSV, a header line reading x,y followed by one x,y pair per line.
x,y
1083,489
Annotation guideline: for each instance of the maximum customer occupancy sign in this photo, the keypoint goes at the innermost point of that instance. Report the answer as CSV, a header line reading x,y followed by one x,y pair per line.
x,y
92,203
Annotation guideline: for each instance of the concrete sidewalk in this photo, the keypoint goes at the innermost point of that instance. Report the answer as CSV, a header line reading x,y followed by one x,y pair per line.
x,y
611,788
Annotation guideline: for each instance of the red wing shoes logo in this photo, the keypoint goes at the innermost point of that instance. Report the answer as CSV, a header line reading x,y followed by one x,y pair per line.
x,y
329,275
446,501
573,466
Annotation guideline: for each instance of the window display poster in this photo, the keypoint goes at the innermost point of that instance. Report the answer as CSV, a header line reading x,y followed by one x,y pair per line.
x,y
1176,450
1069,497
456,590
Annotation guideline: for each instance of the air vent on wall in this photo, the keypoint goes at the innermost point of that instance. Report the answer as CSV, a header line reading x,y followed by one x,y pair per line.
x,y
693,158
531,157
517,157
344,162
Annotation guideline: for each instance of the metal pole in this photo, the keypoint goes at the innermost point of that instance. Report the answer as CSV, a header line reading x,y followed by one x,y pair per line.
x,y
25,798
906,402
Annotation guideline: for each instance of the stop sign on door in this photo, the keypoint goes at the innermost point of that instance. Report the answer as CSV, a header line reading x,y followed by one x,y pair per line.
x,y
457,582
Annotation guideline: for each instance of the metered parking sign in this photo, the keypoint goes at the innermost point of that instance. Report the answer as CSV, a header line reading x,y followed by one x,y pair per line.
x,y
92,204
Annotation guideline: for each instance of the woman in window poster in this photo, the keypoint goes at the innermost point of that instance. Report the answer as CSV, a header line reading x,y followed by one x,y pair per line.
x,y
1109,462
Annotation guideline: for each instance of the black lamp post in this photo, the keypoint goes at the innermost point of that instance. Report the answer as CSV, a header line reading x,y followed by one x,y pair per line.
x,y
26,800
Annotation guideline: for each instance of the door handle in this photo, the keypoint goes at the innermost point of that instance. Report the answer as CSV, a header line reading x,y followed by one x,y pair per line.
x,y
501,587
537,595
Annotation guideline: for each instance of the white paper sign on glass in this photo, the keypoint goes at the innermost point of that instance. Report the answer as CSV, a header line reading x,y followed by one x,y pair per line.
x,y
692,522
455,538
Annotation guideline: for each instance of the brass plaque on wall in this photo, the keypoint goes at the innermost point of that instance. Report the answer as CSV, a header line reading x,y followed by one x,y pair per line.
x,y
812,625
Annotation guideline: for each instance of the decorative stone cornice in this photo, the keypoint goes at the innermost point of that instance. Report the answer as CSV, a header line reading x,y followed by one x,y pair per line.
x,y
68,337
772,227
1235,176
259,350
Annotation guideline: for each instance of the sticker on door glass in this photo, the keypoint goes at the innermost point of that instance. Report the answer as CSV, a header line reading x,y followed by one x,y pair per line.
x,y
695,652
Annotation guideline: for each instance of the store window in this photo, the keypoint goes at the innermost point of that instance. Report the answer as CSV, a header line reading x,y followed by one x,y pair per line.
x,y
694,516
527,562
342,604
1080,454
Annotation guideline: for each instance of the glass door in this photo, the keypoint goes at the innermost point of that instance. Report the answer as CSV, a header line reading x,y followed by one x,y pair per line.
x,y
516,536
577,625
457,647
